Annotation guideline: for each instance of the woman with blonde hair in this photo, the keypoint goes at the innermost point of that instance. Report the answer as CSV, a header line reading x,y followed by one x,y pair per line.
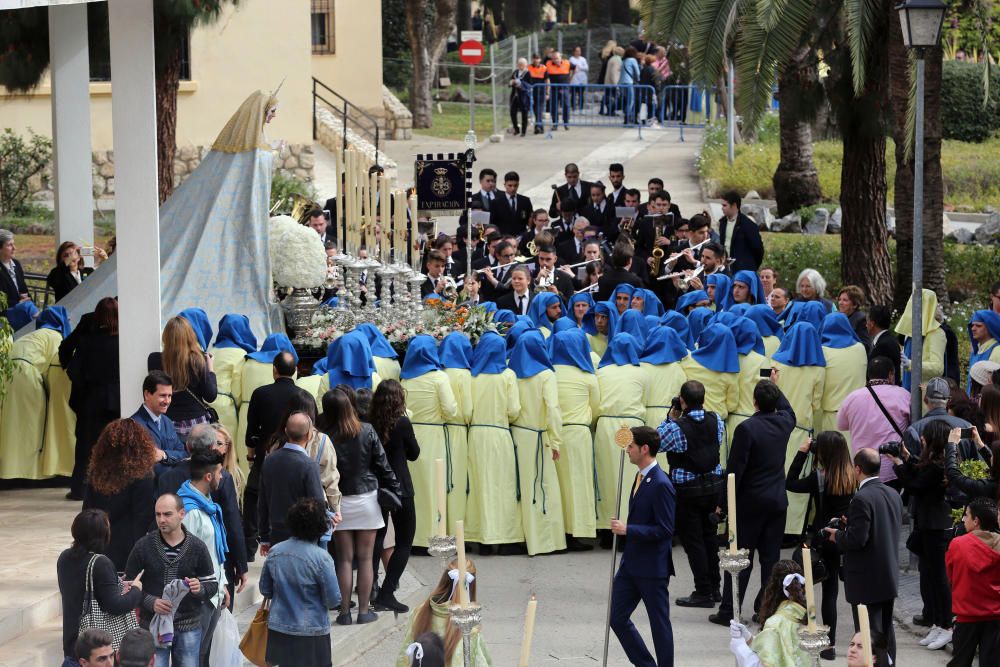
x,y
224,443
434,616
192,372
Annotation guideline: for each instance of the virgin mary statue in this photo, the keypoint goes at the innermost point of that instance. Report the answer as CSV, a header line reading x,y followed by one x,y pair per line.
x,y
213,232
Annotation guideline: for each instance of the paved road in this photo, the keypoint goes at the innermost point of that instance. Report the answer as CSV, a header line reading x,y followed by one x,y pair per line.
x,y
572,592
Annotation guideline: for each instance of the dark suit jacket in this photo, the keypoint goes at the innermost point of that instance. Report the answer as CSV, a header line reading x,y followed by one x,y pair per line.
x,y
513,222
267,407
650,528
61,281
758,464
487,206
562,282
567,253
562,193
171,481
870,544
596,217
287,476
747,248
168,440
612,279
620,199
508,301
887,346
13,289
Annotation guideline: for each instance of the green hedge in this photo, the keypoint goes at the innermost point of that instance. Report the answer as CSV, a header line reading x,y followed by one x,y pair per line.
x,y
962,112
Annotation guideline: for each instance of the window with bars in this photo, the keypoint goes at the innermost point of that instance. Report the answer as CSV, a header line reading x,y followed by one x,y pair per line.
x,y
322,26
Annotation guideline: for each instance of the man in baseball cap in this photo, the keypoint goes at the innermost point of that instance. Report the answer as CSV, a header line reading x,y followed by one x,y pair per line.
x,y
936,395
137,649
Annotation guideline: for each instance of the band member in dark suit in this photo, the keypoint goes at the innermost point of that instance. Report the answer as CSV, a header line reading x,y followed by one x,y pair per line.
x,y
495,279
870,544
511,212
11,272
518,299
547,273
539,222
646,565
616,176
573,190
487,190
562,226
619,272
759,467
739,235
570,251
436,278
884,342
598,210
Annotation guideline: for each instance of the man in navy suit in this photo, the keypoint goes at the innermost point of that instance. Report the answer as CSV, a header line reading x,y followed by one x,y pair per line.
x,y
157,393
739,235
646,564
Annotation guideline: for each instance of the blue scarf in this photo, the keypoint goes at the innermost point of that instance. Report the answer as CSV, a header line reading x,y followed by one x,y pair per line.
x,y
765,319
455,351
588,317
194,500
723,290
529,358
651,304
504,316
740,309
717,350
571,348
21,314
750,279
698,319
538,306
623,288
349,361
273,344
421,357
811,312
322,365
680,324
664,346
687,301
235,331
489,355
377,341
800,347
516,331
55,318
607,308
623,350
634,323
747,336
562,324
987,317
198,320
837,332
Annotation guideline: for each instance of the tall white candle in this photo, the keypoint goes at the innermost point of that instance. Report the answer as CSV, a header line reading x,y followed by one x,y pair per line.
x,y
529,631
731,500
441,494
866,633
463,591
414,234
807,569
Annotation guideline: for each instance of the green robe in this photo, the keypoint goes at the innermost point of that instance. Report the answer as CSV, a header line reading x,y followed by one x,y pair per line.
x,y
461,386
432,404
803,387
22,411
777,644
228,363
663,383
623,391
722,390
59,444
846,369
579,402
492,514
440,620
536,433
750,365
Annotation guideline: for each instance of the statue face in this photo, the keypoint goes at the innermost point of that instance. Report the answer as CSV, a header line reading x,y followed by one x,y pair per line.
x,y
270,113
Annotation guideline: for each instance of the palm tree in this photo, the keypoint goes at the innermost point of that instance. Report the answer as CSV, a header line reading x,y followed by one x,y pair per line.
x,y
428,24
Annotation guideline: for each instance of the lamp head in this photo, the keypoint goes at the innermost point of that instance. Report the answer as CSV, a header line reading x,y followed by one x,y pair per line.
x,y
921,22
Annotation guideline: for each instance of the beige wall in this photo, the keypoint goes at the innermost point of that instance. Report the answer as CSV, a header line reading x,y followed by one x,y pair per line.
x,y
253,46
355,70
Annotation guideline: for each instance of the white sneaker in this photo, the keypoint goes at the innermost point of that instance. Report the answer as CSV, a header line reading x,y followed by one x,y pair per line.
x,y
944,636
931,636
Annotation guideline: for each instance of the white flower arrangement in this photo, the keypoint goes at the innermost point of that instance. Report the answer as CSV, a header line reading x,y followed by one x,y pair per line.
x,y
322,330
298,259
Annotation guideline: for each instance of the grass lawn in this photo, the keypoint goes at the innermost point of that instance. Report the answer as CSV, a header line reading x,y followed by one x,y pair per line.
x,y
451,121
971,171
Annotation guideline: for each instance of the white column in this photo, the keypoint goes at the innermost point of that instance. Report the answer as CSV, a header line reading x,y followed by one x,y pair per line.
x,y
70,70
133,109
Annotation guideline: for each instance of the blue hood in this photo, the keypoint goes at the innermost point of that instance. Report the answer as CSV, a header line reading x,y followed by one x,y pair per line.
x,y
378,342
273,344
651,304
421,357
235,331
688,300
634,323
723,290
571,348
455,351
680,324
717,350
588,318
489,356
800,346
55,318
198,320
349,361
538,305
747,336
623,350
765,319
529,358
837,332
992,322
664,346
750,279
698,319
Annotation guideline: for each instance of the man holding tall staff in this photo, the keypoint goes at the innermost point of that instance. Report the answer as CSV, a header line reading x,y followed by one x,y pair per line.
x,y
646,564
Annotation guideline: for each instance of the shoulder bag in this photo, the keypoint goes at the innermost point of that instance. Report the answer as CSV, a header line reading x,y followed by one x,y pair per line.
x,y
885,412
210,412
93,617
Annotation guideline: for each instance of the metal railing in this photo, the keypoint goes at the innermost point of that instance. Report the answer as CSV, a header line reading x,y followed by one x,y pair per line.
x,y
38,289
351,114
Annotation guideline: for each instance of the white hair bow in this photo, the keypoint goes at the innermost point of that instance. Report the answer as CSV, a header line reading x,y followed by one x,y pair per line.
x,y
415,651
789,578
453,575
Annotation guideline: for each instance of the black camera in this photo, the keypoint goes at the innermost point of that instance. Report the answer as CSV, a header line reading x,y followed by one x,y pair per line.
x,y
890,449
715,518
835,523
675,404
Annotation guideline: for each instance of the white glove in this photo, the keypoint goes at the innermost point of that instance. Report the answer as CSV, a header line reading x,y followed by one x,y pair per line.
x,y
738,631
904,361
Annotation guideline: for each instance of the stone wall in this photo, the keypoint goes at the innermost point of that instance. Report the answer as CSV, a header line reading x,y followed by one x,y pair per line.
x,y
330,134
398,119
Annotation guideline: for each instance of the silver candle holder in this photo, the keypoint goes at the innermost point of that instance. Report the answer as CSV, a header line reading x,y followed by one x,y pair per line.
x,y
734,562
466,618
814,641
443,547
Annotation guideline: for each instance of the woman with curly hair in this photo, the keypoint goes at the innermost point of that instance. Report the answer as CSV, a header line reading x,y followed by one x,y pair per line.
x,y
782,613
120,482
192,371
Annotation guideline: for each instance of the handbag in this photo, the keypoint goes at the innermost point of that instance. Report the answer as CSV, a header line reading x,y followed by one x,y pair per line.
x,y
210,412
254,642
94,618
389,500
820,573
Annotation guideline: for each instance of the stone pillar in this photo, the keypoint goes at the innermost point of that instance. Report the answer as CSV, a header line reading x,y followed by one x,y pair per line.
x,y
71,167
133,109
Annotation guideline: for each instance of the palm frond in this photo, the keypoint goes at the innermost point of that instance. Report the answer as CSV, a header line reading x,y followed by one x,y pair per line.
x,y
761,54
769,12
710,36
668,20
982,10
862,17
911,107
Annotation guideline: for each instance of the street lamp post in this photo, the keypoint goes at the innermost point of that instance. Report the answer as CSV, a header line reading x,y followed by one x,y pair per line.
x,y
921,24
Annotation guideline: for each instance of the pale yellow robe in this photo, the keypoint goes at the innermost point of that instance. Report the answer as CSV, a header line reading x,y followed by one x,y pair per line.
x,y
750,366
387,369
579,402
846,370
228,363
22,410
771,345
458,436
663,383
623,391
59,444
722,390
598,344
803,387
432,404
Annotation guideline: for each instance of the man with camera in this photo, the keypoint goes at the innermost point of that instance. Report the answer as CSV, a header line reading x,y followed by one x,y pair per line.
x,y
869,539
691,438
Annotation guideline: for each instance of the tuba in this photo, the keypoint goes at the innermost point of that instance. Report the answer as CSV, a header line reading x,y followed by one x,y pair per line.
x,y
301,205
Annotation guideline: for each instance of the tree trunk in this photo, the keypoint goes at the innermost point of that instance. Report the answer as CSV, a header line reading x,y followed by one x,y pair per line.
x,y
864,258
522,16
428,39
796,182
598,13
167,81
463,15
933,255
621,13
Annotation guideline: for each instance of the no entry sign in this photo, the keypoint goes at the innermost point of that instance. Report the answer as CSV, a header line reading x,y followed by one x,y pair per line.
x,y
471,52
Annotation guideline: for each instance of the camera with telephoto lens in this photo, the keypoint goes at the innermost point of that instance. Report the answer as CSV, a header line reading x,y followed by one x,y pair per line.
x,y
835,523
890,449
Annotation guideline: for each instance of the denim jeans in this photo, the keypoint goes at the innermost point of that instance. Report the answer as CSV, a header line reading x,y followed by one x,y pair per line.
x,y
183,653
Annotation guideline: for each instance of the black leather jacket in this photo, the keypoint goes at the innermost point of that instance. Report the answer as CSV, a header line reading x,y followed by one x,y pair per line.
x,y
362,464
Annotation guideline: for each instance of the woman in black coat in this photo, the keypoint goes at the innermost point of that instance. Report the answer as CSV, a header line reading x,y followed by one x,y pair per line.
x,y
120,482
68,271
91,534
393,427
